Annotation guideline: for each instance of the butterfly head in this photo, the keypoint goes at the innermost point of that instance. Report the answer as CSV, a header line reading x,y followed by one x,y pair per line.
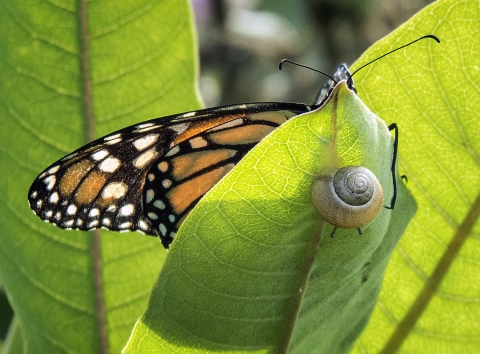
x,y
341,74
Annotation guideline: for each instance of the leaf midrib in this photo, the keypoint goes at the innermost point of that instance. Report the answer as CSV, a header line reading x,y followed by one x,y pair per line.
x,y
430,287
95,245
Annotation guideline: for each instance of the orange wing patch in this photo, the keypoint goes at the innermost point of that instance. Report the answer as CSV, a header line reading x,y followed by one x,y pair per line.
x,y
203,125
242,135
90,187
73,176
187,165
182,196
278,117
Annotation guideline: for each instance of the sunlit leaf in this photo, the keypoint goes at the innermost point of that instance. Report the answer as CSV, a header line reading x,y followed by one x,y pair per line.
x,y
71,71
432,92
244,274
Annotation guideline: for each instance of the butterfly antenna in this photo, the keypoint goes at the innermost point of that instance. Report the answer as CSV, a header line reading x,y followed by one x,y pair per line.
x,y
280,66
431,36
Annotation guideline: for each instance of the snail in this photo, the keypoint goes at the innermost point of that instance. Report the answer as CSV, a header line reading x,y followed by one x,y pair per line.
x,y
349,197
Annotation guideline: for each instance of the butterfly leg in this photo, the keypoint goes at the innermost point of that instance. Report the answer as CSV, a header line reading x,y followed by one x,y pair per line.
x,y
333,232
359,231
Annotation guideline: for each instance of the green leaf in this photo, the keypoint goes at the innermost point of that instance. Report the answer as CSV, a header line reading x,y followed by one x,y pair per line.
x,y
14,342
430,297
244,275
72,71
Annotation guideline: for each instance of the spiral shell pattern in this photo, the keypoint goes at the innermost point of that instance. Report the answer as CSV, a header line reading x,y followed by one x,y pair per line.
x,y
350,197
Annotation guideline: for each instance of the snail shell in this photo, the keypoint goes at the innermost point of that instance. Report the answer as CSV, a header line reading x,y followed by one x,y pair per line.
x,y
348,198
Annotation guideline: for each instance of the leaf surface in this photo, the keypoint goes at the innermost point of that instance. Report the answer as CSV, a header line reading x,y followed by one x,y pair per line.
x,y
72,71
430,297
244,275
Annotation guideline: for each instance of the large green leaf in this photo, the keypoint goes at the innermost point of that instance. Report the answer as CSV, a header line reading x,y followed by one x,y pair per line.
x,y
71,71
430,301
244,274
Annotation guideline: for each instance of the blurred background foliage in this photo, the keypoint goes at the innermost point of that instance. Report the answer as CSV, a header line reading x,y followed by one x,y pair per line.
x,y
241,43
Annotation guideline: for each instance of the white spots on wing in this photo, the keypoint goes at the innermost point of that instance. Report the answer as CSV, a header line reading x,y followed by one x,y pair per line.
x,y
112,137
151,177
114,190
58,215
171,217
145,158
112,208
146,141
163,166
100,155
110,164
125,225
39,203
231,124
68,157
54,198
166,183
180,128
69,223
189,114
49,214
34,194
127,210
94,213
198,142
173,234
93,224
159,204
146,129
106,222
50,182
144,125
143,225
113,142
72,209
163,229
152,216
173,151
53,170
149,196
79,222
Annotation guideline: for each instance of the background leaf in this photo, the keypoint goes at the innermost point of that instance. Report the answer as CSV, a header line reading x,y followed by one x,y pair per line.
x,y
243,273
432,92
72,71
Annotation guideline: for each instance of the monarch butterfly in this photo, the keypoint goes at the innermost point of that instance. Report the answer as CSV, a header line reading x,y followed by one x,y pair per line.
x,y
147,177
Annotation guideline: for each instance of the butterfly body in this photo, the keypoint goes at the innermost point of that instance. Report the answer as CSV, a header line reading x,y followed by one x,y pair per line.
x,y
149,176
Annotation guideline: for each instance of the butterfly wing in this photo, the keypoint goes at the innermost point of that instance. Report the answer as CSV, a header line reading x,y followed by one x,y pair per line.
x,y
147,177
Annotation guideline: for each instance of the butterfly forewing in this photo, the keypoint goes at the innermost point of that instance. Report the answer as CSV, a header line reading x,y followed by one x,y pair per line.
x,y
147,177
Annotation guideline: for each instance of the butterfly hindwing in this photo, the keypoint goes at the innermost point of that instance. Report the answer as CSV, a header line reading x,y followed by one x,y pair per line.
x,y
147,177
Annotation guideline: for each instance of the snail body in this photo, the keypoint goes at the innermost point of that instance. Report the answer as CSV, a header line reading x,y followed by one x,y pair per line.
x,y
350,197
